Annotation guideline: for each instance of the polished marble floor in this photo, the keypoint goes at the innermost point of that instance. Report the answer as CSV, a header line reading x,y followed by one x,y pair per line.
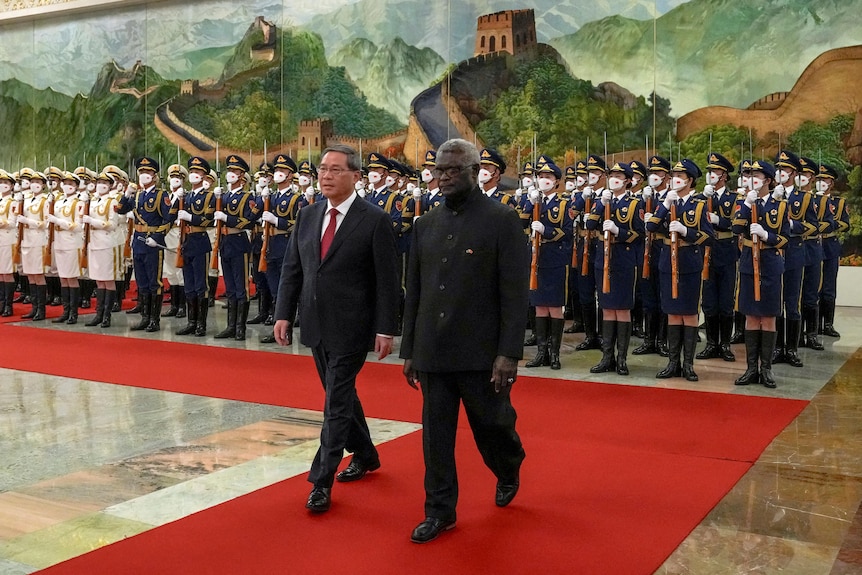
x,y
85,463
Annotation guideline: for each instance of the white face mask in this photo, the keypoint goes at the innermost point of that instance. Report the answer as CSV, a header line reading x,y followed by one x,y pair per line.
x,y
145,179
358,185
570,186
739,182
279,177
102,188
304,180
746,182
389,181
757,184
294,187
594,178
581,181
427,176
526,181
195,178
69,189
52,184
206,184
712,178
121,187
678,183
231,177
546,184
616,184
654,180
484,176
411,186
91,187
802,180
176,183
264,182
36,187
25,184
821,186
782,176
374,178
636,180
5,188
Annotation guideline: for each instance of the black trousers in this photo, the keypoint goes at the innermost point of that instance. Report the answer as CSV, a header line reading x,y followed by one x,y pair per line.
x,y
344,425
492,420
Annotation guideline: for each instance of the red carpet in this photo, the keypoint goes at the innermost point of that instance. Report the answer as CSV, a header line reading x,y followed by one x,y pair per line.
x,y
615,476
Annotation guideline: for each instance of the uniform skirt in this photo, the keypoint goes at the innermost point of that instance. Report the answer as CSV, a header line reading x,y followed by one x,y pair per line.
x,y
6,265
31,260
553,287
622,288
68,263
103,264
771,288
687,301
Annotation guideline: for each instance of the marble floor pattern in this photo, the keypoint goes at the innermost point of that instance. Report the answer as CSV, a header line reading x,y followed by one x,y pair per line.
x,y
116,461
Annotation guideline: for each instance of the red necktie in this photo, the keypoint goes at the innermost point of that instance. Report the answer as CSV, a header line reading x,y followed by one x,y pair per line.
x,y
329,233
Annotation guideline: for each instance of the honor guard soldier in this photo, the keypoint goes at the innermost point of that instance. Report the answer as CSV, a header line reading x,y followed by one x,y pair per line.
x,y
639,176
555,230
153,215
86,189
278,222
762,223
8,242
239,213
433,197
305,181
618,214
67,220
262,190
655,322
104,256
572,305
120,182
522,197
812,276
35,248
804,224
177,177
840,223
383,196
196,220
720,287
491,169
681,265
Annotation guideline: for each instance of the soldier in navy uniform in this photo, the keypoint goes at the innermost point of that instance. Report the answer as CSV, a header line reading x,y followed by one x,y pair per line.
x,y
638,182
623,229
555,228
197,215
432,198
491,169
720,287
694,232
153,216
812,276
840,223
240,211
800,207
571,194
743,185
770,232
522,197
263,179
279,220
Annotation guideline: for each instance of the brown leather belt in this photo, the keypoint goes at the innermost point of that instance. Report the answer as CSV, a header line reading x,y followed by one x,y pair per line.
x,y
144,229
198,229
279,232
723,235
232,231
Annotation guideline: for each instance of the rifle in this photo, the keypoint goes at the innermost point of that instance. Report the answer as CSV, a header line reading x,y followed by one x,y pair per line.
x,y
16,255
606,272
84,261
534,264
585,260
264,248
214,258
647,244
184,228
674,256
755,254
707,251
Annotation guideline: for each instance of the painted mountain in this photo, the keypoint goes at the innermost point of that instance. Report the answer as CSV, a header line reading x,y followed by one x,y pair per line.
x,y
713,52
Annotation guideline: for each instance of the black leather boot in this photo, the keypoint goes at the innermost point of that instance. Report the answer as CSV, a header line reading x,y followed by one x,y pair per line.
x,y
203,310
828,312
542,325
591,335
74,298
230,330
752,355
791,354
144,299
778,353
41,295
712,335
689,344
64,297
725,330
650,327
264,305
609,335
119,296
738,328
661,337
155,313
100,309
555,340
175,300
531,327
212,286
241,319
674,346
767,342
192,308
181,302
109,297
812,320
9,293
624,335
3,299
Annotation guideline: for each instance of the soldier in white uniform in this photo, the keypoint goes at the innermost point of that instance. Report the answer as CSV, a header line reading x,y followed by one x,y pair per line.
x,y
104,252
67,219
8,242
37,207
177,177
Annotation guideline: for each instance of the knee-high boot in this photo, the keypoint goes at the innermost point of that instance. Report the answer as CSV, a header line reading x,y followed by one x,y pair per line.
x,y
725,331
828,312
791,343
674,346
662,338
650,327
100,309
767,343
203,309
144,299
624,335
778,353
591,336
712,336
555,340
212,286
181,303
542,326
74,299
230,330
241,319
110,298
192,308
64,297
609,334
689,339
738,328
812,320
752,355
531,326
264,305
155,313
175,302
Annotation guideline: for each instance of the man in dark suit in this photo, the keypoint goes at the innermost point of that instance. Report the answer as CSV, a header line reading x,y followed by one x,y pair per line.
x,y
340,269
467,288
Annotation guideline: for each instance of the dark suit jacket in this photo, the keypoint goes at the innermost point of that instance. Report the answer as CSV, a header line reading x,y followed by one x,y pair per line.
x,y
467,287
353,293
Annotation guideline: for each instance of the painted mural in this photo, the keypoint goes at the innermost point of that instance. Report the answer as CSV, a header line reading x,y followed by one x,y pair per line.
x,y
623,78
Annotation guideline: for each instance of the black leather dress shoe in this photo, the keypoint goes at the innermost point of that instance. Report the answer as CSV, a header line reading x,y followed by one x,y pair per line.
x,y
429,529
319,500
355,471
506,493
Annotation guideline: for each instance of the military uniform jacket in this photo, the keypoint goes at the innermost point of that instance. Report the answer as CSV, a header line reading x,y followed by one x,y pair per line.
x,y
429,202
103,235
8,225
36,208
242,211
153,215
390,202
467,287
626,214
555,249
840,223
772,215
813,244
725,248
200,203
503,198
69,236
285,206
699,234
803,224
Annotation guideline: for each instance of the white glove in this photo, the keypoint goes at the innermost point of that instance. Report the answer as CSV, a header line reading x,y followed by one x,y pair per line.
x,y
750,198
647,192
129,192
538,227
533,195
260,188
587,193
361,192
61,223
176,196
518,194
220,216
670,198
18,197
309,194
417,194
647,216
130,215
269,218
53,219
25,220
607,196
151,242
757,230
264,192
87,220
713,218
184,216
708,191
778,192
218,191
678,227
83,196
610,226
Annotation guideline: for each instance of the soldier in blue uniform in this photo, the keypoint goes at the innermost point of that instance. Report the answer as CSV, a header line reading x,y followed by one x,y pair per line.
x,y
839,223
743,185
572,192
197,218
800,207
720,287
522,197
239,213
639,177
432,198
555,228
622,231
262,292
153,215
812,276
769,231
491,169
693,233
655,323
